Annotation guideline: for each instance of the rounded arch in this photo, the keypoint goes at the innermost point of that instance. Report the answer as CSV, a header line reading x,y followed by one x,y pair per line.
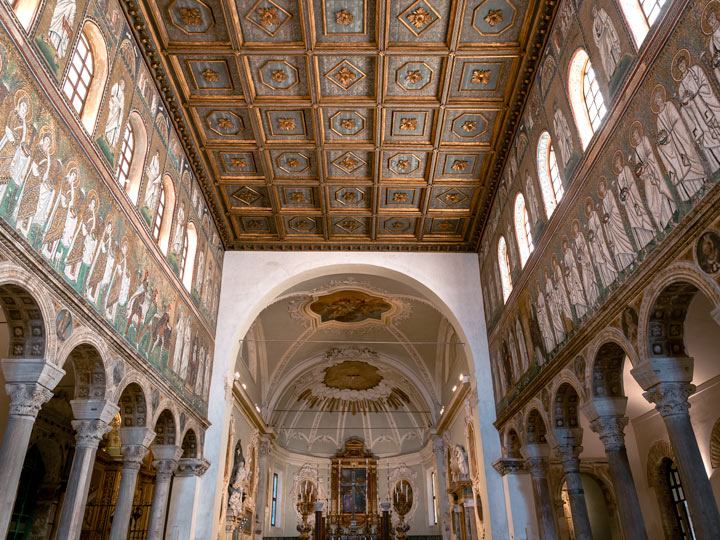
x,y
190,444
91,378
26,11
132,400
14,275
551,185
137,162
523,232
85,336
187,263
91,107
680,280
166,431
512,444
566,404
166,211
536,427
586,101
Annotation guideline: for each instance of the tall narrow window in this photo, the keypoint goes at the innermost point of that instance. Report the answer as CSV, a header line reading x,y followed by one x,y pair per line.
x,y
127,150
187,260
504,264
273,508
550,181
682,512
159,215
586,101
25,11
80,74
434,498
522,229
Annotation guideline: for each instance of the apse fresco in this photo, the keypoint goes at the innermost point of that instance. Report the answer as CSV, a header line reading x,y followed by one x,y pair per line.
x,y
654,169
349,307
59,201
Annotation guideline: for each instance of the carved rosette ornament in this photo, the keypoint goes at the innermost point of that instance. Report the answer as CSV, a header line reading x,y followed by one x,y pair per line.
x,y
26,399
89,433
611,430
133,454
670,398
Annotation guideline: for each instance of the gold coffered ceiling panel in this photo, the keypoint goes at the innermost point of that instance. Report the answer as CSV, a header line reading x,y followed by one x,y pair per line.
x,y
334,123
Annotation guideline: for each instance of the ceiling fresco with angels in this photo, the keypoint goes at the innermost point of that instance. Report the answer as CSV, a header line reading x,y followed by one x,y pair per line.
x,y
339,122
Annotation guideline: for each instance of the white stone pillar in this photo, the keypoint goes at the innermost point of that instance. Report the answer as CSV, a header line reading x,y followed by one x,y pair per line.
x,y
522,518
165,463
135,442
439,451
261,496
29,383
182,512
92,422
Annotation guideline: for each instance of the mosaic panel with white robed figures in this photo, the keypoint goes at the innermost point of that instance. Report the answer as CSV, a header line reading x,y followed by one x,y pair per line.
x,y
654,168
66,204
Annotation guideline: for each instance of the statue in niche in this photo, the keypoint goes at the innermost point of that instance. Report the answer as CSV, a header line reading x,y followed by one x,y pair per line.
x,y
461,462
238,481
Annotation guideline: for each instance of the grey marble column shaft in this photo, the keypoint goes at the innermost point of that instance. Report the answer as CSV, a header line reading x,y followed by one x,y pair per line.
x,y
165,466
88,434
611,432
543,501
25,403
670,399
261,496
571,464
132,460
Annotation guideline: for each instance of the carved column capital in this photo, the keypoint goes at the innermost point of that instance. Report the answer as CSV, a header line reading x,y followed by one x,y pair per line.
x,y
164,468
509,466
570,457
611,430
26,399
438,446
670,398
133,454
537,466
191,467
89,433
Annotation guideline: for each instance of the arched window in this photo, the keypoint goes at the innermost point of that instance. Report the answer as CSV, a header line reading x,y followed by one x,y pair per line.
x,y
588,105
163,215
522,229
187,260
679,501
640,16
25,10
504,264
86,75
132,156
127,152
550,181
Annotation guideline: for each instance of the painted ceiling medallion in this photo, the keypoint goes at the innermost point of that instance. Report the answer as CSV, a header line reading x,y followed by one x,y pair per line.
x,y
408,124
414,76
278,75
404,163
350,196
293,162
347,123
344,17
460,165
303,225
493,17
469,125
349,162
419,17
452,197
345,75
349,306
268,16
352,375
480,76
224,123
191,16
209,75
247,195
286,124
351,225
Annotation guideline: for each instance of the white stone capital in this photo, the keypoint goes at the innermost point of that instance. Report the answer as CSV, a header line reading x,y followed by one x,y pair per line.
x,y
191,467
670,398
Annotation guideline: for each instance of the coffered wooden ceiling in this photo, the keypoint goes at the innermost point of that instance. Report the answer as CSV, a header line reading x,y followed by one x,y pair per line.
x,y
324,124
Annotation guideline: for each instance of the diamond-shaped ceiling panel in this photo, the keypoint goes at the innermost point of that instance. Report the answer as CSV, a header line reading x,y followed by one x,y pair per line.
x,y
328,123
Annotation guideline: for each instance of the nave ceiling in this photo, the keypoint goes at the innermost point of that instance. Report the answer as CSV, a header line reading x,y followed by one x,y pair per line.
x,y
332,123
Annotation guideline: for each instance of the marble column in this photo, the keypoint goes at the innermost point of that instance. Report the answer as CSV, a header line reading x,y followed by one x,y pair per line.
x,y
444,511
29,384
182,511
261,494
536,456
165,463
135,442
607,419
520,499
671,400
569,454
92,422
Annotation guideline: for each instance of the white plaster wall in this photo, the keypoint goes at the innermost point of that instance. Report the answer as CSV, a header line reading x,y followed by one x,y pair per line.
x,y
250,282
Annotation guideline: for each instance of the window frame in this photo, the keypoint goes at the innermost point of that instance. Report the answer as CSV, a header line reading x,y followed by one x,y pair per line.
x,y
86,60
159,215
274,500
123,177
679,502
504,268
523,234
551,185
